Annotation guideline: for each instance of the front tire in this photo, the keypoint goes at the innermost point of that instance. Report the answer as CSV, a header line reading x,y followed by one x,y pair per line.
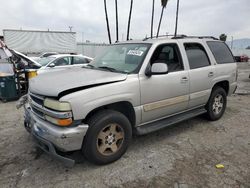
x,y
216,104
108,137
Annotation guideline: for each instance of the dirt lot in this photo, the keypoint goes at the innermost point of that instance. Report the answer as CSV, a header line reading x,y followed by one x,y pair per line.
x,y
181,156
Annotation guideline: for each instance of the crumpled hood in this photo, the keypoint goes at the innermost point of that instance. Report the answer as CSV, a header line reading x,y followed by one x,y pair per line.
x,y
53,83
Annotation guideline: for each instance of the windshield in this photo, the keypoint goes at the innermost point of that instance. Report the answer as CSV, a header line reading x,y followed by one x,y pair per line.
x,y
45,60
125,58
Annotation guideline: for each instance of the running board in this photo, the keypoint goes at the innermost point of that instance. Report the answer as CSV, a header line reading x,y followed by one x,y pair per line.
x,y
160,124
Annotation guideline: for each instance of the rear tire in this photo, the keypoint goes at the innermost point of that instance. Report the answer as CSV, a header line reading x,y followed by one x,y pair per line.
x,y
216,104
107,138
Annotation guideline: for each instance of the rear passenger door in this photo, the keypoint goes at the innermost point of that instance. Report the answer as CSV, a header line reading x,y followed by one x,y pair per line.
x,y
201,74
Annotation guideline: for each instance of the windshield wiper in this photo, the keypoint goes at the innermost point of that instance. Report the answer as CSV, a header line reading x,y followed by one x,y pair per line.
x,y
103,67
109,68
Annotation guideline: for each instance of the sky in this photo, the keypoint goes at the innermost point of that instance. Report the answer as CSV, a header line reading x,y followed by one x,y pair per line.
x,y
196,17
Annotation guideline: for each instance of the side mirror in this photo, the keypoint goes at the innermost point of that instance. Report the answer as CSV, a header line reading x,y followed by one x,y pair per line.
x,y
51,65
156,69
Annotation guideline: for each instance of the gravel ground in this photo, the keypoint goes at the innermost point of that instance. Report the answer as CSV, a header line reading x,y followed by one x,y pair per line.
x,y
180,156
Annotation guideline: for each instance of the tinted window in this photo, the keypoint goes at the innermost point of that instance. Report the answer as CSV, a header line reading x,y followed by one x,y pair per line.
x,y
221,52
80,60
169,54
197,55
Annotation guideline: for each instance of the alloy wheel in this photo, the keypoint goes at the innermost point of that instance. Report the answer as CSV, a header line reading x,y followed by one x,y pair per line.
x,y
110,139
218,104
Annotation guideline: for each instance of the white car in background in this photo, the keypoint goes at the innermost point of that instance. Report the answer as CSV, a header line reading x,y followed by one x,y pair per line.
x,y
62,61
45,54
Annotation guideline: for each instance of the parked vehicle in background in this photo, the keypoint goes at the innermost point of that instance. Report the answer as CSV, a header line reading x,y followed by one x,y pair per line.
x,y
134,87
237,58
244,58
45,54
61,61
241,58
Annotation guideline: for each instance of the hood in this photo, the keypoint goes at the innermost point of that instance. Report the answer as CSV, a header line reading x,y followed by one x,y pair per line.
x,y
29,60
69,80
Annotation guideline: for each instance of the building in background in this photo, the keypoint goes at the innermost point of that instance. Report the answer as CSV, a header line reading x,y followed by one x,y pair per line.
x,y
91,49
36,42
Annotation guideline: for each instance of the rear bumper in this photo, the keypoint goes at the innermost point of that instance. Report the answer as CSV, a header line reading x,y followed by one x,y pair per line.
x,y
51,138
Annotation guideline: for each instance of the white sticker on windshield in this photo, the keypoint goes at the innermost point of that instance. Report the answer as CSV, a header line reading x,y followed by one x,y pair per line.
x,y
135,52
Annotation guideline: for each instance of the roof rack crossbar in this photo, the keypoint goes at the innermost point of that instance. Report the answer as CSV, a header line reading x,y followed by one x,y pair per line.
x,y
161,36
200,37
181,37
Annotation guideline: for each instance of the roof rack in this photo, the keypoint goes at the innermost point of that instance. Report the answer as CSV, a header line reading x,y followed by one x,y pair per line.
x,y
199,37
181,37
161,36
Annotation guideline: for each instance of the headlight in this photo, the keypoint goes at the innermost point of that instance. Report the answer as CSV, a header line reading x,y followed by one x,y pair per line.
x,y
57,105
60,122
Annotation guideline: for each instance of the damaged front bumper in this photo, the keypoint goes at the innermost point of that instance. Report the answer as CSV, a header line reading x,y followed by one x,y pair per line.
x,y
51,138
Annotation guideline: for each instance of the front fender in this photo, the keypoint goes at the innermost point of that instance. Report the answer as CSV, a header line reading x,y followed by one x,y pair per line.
x,y
84,101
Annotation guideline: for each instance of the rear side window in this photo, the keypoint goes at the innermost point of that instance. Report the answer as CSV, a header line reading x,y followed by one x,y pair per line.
x,y
197,55
79,60
62,61
221,52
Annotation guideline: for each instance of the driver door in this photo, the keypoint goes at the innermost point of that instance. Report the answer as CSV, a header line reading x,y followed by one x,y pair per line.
x,y
166,94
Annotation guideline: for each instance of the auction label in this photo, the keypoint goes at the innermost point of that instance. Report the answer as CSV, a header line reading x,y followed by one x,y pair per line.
x,y
135,52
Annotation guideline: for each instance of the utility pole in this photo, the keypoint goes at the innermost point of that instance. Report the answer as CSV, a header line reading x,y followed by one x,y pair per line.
x,y
107,20
152,19
117,29
82,43
129,19
177,15
232,42
70,28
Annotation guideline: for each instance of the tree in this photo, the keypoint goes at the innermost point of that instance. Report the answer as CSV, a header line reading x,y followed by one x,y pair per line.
x,y
116,16
107,20
152,18
223,37
176,19
129,18
163,4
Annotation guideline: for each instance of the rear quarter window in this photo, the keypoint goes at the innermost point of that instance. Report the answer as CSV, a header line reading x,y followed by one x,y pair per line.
x,y
221,52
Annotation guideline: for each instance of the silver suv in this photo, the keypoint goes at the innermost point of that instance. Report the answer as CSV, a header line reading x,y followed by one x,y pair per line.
x,y
135,87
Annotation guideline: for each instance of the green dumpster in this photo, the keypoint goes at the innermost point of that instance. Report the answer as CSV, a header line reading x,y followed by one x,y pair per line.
x,y
8,90
8,87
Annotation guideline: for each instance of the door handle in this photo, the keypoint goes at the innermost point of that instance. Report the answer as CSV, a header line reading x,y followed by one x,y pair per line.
x,y
184,79
210,74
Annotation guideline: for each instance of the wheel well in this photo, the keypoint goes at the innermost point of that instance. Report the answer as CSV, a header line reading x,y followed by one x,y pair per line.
x,y
124,107
224,85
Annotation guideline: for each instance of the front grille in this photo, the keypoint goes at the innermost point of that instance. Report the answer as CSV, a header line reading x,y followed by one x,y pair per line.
x,y
37,107
36,101
37,112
